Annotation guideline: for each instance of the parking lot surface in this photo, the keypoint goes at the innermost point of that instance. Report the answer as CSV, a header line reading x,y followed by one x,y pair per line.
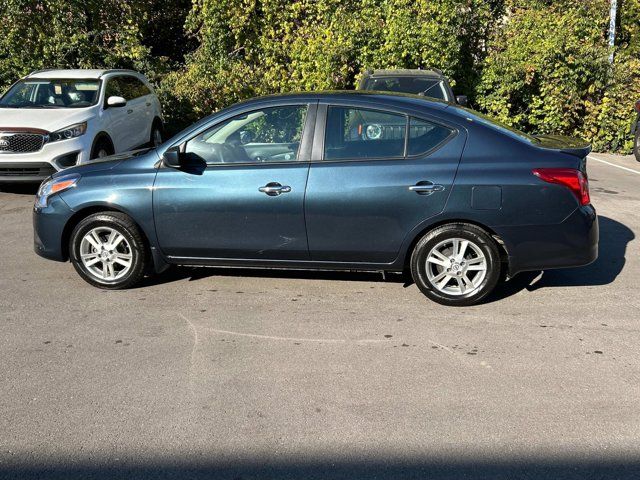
x,y
222,373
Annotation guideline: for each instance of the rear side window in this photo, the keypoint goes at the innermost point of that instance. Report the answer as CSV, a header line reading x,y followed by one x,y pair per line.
x,y
355,133
424,136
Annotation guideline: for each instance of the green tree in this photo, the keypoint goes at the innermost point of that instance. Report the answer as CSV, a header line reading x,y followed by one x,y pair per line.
x,y
37,34
547,71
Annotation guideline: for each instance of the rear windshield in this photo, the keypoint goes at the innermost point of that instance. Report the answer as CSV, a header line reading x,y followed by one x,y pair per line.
x,y
430,87
52,93
497,125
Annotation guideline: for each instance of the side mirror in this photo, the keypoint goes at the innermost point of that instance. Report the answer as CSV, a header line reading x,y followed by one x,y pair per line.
x,y
172,157
116,102
462,100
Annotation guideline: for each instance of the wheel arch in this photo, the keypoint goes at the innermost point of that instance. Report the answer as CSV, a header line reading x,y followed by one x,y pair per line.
x,y
157,121
102,135
78,216
502,248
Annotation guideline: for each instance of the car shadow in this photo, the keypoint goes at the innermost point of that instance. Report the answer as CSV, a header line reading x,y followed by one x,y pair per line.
x,y
311,467
199,273
20,188
614,237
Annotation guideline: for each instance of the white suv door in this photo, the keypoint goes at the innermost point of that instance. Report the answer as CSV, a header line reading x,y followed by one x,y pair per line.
x,y
139,101
118,120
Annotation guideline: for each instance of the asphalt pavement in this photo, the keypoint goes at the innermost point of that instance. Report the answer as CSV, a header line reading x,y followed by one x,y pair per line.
x,y
246,374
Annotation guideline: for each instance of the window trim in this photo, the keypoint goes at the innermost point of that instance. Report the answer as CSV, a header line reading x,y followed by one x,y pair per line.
x,y
320,134
304,150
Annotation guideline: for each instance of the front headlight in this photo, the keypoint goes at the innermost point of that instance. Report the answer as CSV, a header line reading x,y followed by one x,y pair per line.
x,y
55,185
72,131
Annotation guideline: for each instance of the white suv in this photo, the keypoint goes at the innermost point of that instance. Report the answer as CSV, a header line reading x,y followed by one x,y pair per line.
x,y
54,119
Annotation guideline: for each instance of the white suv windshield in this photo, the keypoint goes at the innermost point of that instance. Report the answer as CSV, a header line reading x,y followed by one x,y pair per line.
x,y
52,93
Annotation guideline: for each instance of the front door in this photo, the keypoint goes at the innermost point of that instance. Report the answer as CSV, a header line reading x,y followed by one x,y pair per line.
x,y
119,120
372,185
241,192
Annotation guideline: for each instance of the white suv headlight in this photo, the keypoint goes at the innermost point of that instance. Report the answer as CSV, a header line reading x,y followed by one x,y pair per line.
x,y
72,131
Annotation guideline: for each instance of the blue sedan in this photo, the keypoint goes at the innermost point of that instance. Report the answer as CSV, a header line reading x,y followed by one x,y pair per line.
x,y
337,180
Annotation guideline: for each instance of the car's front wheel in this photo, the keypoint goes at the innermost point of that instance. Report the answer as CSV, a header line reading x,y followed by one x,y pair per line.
x,y
108,251
156,135
102,148
456,264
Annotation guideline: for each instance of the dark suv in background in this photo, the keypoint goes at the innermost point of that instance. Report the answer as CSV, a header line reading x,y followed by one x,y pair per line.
x,y
430,83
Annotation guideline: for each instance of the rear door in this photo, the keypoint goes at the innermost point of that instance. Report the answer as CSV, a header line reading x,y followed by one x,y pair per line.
x,y
370,183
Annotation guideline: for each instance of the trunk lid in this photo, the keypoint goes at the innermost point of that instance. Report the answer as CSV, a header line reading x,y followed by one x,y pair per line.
x,y
572,146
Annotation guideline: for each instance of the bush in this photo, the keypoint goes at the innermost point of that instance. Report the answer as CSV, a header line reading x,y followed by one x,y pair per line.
x,y
540,65
547,71
271,46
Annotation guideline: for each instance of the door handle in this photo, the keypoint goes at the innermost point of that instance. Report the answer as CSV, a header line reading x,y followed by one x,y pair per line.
x,y
273,189
129,111
148,104
426,188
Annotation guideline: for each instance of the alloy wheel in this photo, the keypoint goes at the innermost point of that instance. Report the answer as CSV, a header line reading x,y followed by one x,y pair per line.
x,y
106,254
456,266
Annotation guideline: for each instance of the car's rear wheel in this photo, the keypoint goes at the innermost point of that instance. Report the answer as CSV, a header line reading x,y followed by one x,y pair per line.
x,y
101,149
636,149
108,251
456,264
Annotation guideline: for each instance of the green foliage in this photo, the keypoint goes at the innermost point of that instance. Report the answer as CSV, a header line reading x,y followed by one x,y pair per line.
x,y
547,71
37,34
540,65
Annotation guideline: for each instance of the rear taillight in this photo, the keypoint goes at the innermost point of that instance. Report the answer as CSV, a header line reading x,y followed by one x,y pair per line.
x,y
571,178
637,106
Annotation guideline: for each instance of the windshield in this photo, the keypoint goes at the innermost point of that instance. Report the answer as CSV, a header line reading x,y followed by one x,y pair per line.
x,y
430,87
52,93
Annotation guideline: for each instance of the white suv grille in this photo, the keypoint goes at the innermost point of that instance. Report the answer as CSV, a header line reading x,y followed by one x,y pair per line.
x,y
17,142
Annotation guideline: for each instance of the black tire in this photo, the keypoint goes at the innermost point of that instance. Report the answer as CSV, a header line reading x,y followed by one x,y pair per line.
x,y
156,129
102,148
636,144
135,246
439,236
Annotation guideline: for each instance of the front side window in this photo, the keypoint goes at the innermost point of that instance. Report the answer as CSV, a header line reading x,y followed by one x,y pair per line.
x,y
52,93
267,135
127,87
134,88
114,88
356,133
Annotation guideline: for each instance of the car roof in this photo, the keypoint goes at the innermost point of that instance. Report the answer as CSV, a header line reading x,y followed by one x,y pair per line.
x,y
388,98
402,72
84,73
